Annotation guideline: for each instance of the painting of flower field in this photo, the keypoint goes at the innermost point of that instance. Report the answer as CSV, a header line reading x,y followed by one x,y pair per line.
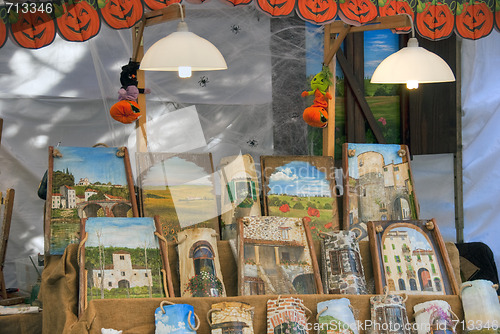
x,y
301,187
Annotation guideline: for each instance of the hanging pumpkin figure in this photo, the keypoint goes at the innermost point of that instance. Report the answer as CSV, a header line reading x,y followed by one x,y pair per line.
x,y
126,110
316,115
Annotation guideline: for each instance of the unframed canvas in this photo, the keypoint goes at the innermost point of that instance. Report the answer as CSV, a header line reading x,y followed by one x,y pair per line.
x,y
179,188
122,258
301,187
276,256
410,257
85,182
378,185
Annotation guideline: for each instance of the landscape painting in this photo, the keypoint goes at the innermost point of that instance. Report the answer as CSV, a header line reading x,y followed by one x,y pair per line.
x,y
179,189
121,258
410,257
378,185
85,182
276,256
301,187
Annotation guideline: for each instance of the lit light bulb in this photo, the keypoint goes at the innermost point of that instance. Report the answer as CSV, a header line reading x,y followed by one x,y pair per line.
x,y
184,71
412,84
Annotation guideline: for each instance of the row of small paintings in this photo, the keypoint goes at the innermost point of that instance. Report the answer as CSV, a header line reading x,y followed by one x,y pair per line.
x,y
290,315
179,189
127,257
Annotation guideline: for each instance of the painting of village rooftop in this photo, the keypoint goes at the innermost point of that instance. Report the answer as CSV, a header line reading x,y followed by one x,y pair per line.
x,y
121,258
276,257
378,185
85,182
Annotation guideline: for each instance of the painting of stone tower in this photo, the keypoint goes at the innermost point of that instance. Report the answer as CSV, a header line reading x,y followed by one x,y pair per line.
x,y
378,185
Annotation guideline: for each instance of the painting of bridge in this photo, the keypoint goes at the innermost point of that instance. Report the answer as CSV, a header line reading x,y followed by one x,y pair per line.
x,y
86,182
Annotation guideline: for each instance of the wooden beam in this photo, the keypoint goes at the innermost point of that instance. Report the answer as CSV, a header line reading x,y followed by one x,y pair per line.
x,y
332,49
329,131
360,97
385,22
163,15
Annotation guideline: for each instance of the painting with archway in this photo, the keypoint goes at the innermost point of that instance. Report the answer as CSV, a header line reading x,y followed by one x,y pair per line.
x,y
85,182
122,258
410,257
378,185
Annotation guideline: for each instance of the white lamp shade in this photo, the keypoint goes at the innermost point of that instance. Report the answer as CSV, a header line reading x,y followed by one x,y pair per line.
x,y
414,64
183,49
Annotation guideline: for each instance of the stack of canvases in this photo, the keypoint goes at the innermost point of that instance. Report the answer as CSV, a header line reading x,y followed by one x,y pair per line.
x,y
91,200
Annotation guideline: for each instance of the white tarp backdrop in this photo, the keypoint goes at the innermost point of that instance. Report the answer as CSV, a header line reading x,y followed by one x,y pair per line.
x,y
61,94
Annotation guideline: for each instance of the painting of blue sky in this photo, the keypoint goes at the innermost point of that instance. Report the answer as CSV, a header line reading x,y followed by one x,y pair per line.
x,y
121,232
98,164
299,178
379,44
388,151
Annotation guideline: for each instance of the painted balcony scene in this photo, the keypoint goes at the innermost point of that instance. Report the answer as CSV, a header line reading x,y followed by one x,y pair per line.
x,y
277,259
410,263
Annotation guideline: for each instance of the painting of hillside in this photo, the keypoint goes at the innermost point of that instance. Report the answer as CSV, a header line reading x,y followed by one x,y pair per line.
x,y
86,182
179,189
301,187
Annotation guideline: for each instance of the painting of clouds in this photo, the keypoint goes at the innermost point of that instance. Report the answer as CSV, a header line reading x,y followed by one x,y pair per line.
x,y
179,188
301,187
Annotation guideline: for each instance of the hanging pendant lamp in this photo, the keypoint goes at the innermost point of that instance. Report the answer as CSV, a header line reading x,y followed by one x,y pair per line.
x,y
403,66
183,52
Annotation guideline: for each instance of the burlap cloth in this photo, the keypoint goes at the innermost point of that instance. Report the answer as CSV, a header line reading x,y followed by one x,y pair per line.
x,y
59,293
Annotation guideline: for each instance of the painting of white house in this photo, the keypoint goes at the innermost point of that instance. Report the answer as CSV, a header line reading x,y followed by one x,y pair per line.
x,y
122,258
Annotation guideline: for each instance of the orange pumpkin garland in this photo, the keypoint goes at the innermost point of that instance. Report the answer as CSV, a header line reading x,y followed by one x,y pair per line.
x,y
276,7
435,20
317,11
3,29
32,30
79,21
159,4
474,19
357,12
394,7
122,14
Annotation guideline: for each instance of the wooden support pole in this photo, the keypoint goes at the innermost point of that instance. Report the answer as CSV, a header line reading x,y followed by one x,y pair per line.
x,y
329,131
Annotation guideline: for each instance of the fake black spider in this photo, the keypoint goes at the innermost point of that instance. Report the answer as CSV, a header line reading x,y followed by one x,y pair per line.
x,y
203,81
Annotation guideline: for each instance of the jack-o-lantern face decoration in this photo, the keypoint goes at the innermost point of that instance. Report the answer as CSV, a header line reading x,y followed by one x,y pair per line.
x,y
32,30
497,15
394,7
276,7
79,22
474,19
357,11
159,4
122,14
238,2
3,26
315,116
435,20
317,11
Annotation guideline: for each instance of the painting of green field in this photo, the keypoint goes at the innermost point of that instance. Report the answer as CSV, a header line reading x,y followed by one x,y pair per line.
x,y
195,203
301,187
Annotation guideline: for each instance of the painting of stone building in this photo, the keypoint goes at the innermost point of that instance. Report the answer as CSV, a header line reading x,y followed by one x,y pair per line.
x,y
121,258
240,195
85,182
231,318
286,315
276,257
388,315
342,267
378,185
410,262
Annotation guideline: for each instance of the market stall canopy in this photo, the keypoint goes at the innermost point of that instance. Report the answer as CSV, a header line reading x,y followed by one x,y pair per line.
x,y
34,25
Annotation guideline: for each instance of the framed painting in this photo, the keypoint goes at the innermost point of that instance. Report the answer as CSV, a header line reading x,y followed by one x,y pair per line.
x,y
301,187
410,257
85,182
276,256
179,189
240,196
378,185
123,258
